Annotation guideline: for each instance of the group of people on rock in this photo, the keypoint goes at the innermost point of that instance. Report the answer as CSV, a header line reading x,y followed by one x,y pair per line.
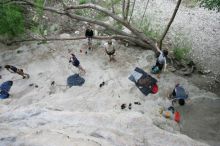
x,y
178,94
89,34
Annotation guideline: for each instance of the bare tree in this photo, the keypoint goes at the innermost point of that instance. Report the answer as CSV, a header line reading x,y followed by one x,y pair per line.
x,y
145,9
113,8
132,11
127,9
135,36
169,24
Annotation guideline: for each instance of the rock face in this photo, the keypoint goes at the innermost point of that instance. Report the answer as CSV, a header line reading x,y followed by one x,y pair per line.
x,y
54,115
200,26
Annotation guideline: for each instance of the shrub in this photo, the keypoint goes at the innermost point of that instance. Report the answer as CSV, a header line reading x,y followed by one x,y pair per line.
x,y
211,4
83,2
181,53
181,47
11,20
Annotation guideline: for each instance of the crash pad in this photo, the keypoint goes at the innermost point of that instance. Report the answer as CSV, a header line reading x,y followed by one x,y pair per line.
x,y
135,76
75,80
4,89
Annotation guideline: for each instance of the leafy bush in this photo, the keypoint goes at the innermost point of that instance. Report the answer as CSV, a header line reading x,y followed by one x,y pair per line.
x,y
83,2
180,53
211,4
11,20
181,47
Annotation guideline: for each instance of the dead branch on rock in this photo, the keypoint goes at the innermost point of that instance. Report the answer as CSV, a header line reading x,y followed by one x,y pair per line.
x,y
116,37
135,37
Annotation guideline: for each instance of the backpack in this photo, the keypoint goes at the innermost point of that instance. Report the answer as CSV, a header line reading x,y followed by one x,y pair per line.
x,y
155,70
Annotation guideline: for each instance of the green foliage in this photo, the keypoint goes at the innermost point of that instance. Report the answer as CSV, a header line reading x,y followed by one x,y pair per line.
x,y
181,48
11,20
37,26
211,4
181,53
100,16
146,28
39,10
83,2
118,25
190,3
79,12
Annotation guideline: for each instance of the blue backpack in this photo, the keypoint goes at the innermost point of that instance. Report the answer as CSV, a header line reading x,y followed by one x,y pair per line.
x,y
155,70
5,88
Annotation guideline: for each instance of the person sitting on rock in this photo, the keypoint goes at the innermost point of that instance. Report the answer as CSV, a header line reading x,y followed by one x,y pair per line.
x,y
89,35
179,94
161,61
13,69
76,63
110,50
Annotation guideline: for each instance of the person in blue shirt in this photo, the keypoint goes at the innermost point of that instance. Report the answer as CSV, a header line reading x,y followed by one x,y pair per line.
x,y
179,94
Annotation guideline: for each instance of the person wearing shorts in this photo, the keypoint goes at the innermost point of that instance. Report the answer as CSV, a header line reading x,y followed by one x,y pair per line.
x,y
76,63
110,50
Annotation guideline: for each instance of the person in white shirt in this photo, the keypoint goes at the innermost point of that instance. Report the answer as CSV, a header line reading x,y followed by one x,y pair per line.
x,y
110,50
161,62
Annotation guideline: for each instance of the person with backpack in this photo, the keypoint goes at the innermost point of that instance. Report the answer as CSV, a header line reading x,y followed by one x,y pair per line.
x,y
161,62
76,62
179,94
89,35
13,69
110,50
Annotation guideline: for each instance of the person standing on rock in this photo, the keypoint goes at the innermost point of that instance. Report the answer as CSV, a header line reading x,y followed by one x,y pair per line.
x,y
13,69
89,35
161,62
76,63
110,50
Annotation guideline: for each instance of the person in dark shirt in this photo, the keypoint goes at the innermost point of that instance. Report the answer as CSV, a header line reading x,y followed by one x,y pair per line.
x,y
76,63
89,35
179,94
13,69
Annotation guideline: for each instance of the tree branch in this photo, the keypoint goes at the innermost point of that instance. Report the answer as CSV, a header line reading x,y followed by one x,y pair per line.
x,y
132,11
123,9
144,12
127,10
116,37
140,38
113,8
134,30
170,22
74,16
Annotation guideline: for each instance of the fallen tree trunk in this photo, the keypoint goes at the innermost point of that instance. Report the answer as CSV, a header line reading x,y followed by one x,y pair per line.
x,y
135,37
116,37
